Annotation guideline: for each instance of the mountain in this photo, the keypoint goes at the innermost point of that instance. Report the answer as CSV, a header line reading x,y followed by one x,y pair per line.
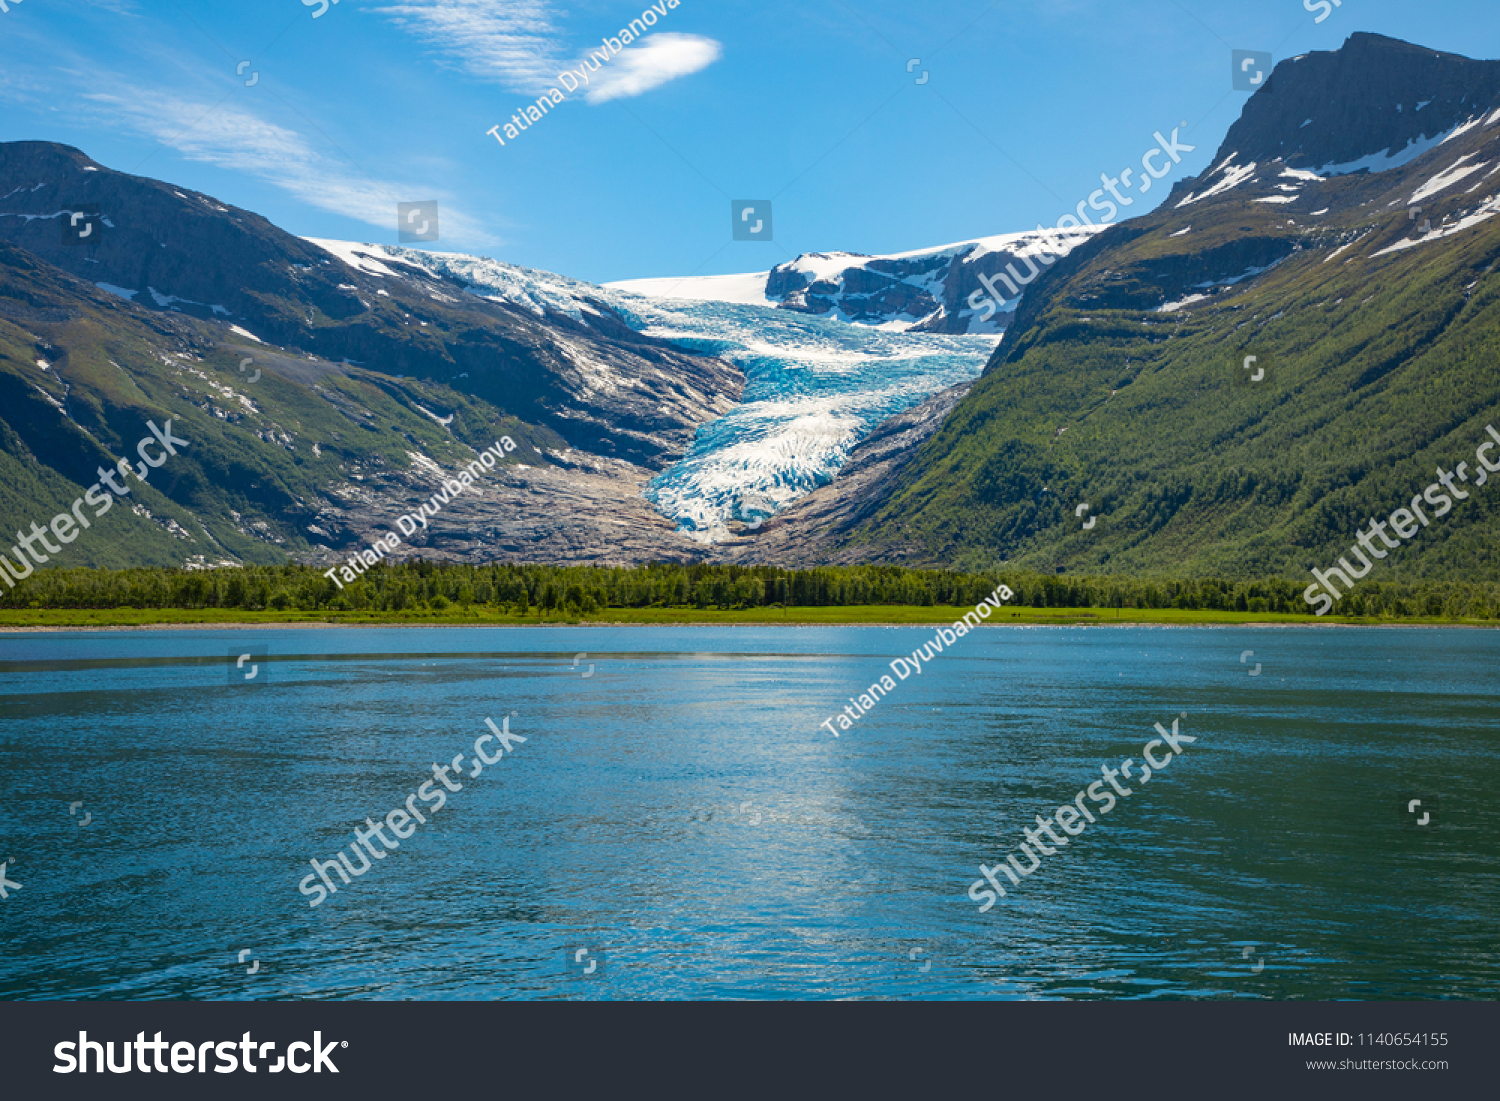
x,y
934,290
1341,246
1345,237
125,300
583,373
345,379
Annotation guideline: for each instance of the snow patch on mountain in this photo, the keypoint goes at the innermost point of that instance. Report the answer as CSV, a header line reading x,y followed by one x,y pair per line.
x,y
1231,177
535,291
359,257
926,289
1386,159
1445,179
1485,212
747,290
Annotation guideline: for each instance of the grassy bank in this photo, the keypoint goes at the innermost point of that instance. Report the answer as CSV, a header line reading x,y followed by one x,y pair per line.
x,y
72,618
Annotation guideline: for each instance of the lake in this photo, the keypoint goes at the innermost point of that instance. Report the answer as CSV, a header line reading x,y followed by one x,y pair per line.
x,y
678,818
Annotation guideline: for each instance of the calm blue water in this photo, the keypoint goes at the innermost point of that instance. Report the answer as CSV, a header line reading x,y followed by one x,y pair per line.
x,y
681,815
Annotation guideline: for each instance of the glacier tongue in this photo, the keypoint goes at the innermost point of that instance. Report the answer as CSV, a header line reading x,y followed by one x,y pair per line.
x,y
815,387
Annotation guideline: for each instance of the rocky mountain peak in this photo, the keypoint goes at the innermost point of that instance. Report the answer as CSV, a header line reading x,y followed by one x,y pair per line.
x,y
1331,110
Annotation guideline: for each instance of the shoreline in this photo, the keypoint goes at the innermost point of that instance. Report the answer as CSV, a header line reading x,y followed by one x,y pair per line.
x,y
920,616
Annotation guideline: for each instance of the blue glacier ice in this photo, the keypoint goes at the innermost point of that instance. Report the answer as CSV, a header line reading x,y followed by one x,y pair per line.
x,y
814,389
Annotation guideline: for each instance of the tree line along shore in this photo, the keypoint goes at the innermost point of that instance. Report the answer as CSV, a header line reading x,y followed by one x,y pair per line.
x,y
543,592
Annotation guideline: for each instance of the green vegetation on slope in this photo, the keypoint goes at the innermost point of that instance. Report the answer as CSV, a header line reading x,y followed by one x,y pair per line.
x,y
1380,370
260,456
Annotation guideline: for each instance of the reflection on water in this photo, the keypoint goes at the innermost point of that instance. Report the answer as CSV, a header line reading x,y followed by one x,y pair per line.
x,y
681,818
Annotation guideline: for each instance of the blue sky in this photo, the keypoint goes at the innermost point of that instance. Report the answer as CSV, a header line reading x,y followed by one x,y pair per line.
x,y
807,103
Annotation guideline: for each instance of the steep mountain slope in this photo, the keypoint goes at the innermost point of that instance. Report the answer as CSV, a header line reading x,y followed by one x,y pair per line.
x,y
83,373
584,373
934,290
1345,237
387,375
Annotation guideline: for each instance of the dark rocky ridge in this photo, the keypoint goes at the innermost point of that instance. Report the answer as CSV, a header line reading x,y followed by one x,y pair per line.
x,y
1352,95
930,290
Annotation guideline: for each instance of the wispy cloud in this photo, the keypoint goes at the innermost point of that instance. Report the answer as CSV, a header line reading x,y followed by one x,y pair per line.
x,y
232,137
509,43
658,59
518,46
175,103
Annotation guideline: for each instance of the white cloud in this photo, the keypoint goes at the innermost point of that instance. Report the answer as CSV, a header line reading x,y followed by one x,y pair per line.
x,y
658,59
516,44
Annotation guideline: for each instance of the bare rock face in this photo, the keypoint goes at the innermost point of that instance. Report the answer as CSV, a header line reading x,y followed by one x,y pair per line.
x,y
929,291
1334,108
582,511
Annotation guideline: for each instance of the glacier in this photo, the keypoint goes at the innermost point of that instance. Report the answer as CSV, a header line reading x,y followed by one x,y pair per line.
x,y
815,386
